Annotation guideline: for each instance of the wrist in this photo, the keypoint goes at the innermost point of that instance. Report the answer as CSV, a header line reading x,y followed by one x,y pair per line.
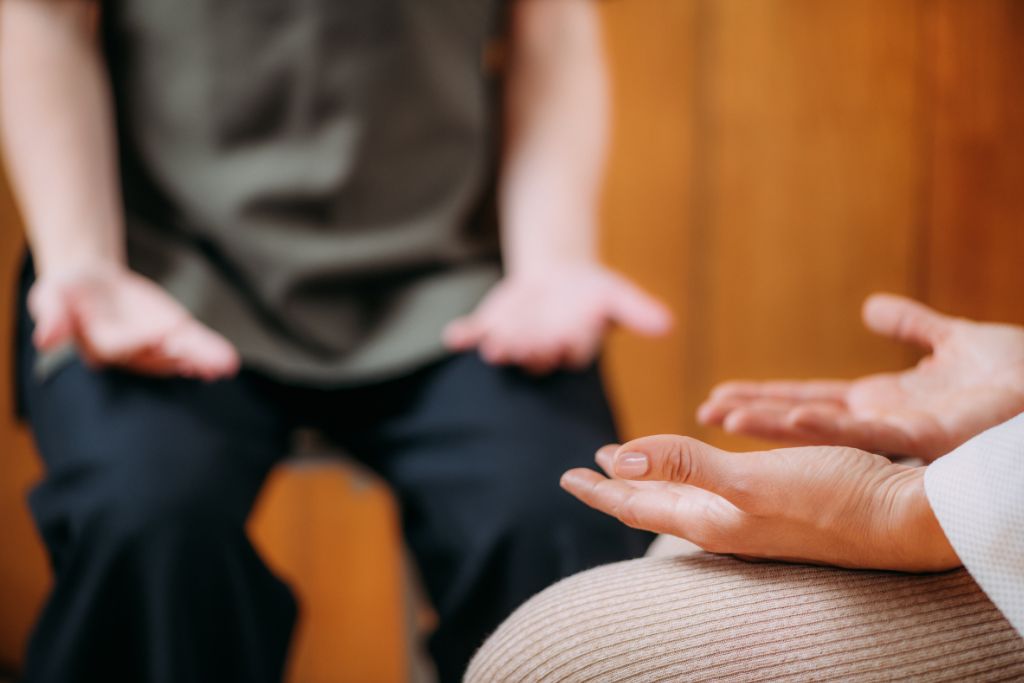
x,y
544,267
73,264
922,543
541,242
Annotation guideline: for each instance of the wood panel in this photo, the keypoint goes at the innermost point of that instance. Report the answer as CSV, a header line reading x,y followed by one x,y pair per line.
x,y
811,159
24,574
333,535
648,194
976,247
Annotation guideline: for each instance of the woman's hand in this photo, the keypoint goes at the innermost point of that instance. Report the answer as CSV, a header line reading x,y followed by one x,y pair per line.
x,y
117,318
972,380
557,318
817,505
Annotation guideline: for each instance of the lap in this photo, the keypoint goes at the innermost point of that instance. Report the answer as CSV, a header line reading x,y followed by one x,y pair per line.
x,y
708,617
475,448
126,448
475,454
87,419
470,437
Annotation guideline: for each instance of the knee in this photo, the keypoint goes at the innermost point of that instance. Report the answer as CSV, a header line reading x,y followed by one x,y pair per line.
x,y
551,636
148,516
141,503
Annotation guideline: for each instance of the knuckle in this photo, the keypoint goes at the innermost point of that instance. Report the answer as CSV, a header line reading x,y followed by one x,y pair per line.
x,y
625,512
679,464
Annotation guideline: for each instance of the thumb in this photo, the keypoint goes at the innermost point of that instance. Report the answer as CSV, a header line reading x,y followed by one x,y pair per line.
x,y
681,460
907,320
636,310
51,312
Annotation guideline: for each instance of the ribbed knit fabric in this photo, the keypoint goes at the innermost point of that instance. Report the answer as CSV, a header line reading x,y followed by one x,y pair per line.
x,y
706,617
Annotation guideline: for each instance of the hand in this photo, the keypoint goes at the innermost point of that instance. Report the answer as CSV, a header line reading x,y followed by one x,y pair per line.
x,y
817,505
117,318
558,318
972,380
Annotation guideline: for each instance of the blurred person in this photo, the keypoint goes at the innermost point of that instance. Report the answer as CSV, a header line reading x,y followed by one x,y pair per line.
x,y
297,202
945,599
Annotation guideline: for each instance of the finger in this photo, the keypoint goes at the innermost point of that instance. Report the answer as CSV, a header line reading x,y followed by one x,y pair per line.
x,y
636,310
605,457
540,363
54,324
196,350
660,510
118,346
154,362
906,320
495,352
797,390
822,425
111,335
765,421
684,460
715,411
462,334
581,352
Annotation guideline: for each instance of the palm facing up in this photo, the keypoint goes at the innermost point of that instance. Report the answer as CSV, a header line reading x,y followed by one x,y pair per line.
x,y
972,380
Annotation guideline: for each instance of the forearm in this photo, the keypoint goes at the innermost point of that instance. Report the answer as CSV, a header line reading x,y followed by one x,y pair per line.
x,y
57,130
557,129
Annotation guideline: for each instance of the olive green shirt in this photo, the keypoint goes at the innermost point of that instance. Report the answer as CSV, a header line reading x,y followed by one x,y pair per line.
x,y
311,178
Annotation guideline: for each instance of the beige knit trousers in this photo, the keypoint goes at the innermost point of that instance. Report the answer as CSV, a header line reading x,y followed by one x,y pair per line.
x,y
706,617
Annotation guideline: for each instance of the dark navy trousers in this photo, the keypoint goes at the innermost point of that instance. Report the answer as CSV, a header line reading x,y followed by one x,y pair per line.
x,y
149,483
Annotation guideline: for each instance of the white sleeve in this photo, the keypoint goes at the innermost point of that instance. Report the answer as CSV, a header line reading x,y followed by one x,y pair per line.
x,y
977,493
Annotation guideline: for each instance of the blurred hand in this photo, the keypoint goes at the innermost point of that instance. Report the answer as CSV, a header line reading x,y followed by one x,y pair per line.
x,y
818,505
972,380
117,318
545,321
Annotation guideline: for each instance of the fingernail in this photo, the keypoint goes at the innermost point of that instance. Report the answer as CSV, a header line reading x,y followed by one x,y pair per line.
x,y
632,465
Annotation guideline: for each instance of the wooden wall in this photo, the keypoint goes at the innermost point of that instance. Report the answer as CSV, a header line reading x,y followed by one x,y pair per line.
x,y
778,160
24,576
775,161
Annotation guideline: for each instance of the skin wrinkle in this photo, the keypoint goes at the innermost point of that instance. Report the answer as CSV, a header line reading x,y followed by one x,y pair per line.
x,y
680,465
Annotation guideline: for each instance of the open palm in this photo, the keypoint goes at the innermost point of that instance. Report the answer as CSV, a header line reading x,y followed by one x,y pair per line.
x,y
820,504
117,318
972,379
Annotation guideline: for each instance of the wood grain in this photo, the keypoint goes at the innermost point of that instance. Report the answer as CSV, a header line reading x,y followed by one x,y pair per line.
x,y
24,572
649,192
975,251
811,155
